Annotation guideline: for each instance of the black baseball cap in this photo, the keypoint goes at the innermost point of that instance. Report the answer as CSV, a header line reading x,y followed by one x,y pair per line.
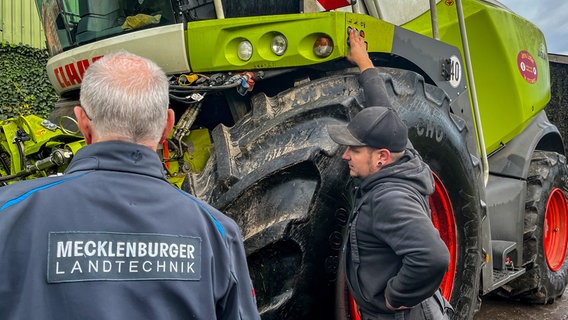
x,y
377,127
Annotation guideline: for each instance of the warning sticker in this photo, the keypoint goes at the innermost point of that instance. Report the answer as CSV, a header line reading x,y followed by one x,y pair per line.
x,y
95,256
527,66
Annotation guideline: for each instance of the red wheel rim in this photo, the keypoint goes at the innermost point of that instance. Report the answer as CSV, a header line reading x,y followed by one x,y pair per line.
x,y
353,308
555,233
443,220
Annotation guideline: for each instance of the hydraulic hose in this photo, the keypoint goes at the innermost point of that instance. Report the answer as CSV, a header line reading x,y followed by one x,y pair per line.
x,y
20,174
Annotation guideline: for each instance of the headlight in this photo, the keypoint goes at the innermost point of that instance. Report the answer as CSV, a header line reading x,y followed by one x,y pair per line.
x,y
279,44
245,50
323,47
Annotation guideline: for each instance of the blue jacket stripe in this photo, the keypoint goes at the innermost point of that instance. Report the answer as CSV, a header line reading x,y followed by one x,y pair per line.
x,y
32,191
217,224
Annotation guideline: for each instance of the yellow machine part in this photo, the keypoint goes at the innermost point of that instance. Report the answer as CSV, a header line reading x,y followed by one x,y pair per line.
x,y
194,158
199,142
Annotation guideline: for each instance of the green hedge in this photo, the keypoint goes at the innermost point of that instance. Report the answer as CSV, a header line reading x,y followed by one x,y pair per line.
x,y
557,109
24,86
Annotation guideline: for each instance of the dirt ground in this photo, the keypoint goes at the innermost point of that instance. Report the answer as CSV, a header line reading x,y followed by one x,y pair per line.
x,y
494,308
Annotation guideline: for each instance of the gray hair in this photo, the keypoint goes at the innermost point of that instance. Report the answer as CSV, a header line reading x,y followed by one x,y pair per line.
x,y
126,96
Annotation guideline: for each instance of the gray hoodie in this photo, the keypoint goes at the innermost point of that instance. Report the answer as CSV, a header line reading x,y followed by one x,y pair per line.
x,y
394,249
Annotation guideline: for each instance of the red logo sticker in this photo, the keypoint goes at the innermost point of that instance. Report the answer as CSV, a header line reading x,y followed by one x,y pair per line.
x,y
333,4
527,66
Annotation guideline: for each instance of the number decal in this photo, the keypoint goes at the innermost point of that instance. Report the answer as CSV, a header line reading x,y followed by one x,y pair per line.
x,y
455,72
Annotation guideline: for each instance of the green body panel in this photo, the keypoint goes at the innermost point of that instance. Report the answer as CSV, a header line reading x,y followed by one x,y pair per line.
x,y
212,44
499,42
504,48
509,96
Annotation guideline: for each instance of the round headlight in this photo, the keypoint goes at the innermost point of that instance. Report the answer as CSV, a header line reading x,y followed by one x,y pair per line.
x,y
323,47
245,50
279,44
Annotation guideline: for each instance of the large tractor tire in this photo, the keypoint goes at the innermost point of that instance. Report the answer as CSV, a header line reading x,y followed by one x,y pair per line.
x,y
440,137
281,177
545,232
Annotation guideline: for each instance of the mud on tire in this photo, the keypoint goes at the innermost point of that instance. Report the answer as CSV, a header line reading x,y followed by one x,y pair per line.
x,y
279,175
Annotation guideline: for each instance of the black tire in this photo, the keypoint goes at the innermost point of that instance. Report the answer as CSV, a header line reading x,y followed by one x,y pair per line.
x,y
440,137
278,174
546,274
281,177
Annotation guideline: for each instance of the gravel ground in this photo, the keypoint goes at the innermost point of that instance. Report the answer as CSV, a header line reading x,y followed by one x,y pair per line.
x,y
494,308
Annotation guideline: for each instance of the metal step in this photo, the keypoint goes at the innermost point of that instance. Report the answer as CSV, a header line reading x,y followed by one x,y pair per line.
x,y
501,277
504,254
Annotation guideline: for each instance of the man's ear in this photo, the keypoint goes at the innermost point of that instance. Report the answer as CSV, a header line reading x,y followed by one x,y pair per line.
x,y
169,125
84,124
384,156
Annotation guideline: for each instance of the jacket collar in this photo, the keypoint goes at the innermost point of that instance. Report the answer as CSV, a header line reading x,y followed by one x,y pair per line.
x,y
117,156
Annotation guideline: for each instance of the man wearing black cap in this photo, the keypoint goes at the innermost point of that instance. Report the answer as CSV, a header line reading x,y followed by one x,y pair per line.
x,y
395,258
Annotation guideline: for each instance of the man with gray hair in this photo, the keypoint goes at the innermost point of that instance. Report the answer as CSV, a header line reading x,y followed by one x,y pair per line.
x,y
111,238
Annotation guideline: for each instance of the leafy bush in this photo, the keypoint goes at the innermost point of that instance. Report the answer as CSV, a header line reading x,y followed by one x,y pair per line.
x,y
24,85
557,109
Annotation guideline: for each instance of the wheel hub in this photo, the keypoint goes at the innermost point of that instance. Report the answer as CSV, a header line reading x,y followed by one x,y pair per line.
x,y
555,233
